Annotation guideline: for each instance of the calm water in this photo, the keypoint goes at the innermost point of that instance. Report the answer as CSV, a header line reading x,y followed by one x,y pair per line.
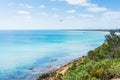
x,y
27,54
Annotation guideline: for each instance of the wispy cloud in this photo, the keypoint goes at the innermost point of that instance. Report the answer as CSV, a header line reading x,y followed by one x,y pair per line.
x,y
97,9
42,6
26,6
56,0
55,9
86,15
78,2
55,15
111,15
23,12
71,11
44,13
12,4
85,3
52,0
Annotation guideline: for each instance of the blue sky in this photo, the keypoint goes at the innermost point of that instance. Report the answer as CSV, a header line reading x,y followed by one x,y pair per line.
x,y
46,14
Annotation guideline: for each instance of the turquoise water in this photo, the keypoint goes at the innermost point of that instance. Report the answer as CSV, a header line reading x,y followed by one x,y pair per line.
x,y
26,54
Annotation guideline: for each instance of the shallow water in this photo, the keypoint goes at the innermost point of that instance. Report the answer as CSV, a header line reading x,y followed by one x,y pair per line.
x,y
27,54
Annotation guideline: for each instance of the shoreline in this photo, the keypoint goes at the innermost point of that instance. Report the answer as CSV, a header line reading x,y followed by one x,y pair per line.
x,y
55,73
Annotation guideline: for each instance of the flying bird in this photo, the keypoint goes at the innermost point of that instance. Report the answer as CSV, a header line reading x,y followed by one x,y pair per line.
x,y
61,20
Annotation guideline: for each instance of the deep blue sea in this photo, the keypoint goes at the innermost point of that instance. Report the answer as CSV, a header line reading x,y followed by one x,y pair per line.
x,y
25,54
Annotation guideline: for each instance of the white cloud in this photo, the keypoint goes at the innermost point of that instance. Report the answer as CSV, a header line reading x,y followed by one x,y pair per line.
x,y
56,0
85,3
52,0
77,2
26,6
55,9
42,6
90,6
44,14
71,11
86,15
11,4
111,15
96,9
70,17
55,15
23,12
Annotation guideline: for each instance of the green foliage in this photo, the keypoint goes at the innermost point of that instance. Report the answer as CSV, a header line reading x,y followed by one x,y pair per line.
x,y
46,75
101,70
101,64
115,68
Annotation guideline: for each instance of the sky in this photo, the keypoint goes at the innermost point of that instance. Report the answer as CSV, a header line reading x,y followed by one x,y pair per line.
x,y
59,14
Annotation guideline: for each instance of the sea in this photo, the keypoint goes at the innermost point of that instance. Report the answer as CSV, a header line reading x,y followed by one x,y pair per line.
x,y
26,54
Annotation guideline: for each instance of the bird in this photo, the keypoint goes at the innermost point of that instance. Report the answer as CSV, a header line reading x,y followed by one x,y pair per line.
x,y
61,20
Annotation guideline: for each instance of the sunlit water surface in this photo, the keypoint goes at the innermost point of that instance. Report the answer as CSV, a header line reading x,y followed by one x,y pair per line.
x,y
26,54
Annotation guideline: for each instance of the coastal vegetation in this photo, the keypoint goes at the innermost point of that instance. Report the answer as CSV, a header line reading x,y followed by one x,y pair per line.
x,y
103,63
